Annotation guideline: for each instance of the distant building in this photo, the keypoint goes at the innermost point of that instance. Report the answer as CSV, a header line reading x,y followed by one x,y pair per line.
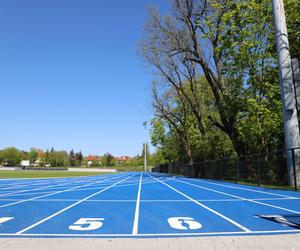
x,y
122,159
93,158
40,159
25,163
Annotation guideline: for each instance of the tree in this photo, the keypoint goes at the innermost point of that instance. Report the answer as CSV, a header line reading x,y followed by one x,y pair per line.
x,y
10,156
172,109
230,44
292,10
32,155
79,158
72,158
58,158
46,159
108,160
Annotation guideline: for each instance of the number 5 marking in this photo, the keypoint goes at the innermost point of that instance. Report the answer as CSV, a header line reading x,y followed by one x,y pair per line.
x,y
5,219
91,224
184,223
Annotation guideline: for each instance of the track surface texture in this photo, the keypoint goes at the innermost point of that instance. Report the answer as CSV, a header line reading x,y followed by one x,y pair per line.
x,y
143,205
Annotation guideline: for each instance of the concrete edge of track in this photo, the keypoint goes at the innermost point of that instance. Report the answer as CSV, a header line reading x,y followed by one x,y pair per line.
x,y
288,241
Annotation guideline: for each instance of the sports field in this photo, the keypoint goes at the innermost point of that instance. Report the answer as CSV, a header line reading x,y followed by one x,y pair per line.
x,y
44,174
142,205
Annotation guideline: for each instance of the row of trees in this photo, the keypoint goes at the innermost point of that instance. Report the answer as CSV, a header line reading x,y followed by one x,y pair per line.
x,y
108,160
12,157
215,91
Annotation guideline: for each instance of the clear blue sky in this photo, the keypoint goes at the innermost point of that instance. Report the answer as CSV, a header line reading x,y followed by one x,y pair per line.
x,y
70,75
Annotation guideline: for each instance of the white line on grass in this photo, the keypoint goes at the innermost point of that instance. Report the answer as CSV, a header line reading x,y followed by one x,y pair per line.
x,y
206,207
239,197
57,192
137,208
246,189
72,205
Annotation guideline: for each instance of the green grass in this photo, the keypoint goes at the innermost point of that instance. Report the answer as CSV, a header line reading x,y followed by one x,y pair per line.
x,y
129,168
44,174
273,186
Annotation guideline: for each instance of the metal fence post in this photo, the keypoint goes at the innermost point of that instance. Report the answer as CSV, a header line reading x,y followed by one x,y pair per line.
x,y
237,170
258,171
294,168
220,171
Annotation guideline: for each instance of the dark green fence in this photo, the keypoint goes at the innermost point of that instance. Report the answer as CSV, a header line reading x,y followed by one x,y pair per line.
x,y
257,169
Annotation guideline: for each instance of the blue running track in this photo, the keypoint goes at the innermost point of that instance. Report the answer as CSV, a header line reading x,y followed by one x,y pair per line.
x,y
142,205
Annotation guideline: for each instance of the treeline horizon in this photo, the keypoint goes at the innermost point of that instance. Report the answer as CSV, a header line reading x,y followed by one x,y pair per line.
x,y
11,156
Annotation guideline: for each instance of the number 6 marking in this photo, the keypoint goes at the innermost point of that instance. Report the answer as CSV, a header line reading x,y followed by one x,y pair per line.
x,y
91,224
184,223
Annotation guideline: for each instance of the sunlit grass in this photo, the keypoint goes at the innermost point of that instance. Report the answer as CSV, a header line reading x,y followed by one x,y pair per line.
x,y
44,174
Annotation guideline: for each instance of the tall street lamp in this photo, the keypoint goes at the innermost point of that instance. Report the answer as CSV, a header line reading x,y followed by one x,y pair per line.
x,y
145,147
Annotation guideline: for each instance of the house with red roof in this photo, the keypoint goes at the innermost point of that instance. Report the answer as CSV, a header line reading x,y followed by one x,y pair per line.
x,y
93,159
122,159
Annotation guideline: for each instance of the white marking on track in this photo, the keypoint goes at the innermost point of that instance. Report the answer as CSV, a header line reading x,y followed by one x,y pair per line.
x,y
68,207
5,219
206,207
239,197
246,189
137,208
58,192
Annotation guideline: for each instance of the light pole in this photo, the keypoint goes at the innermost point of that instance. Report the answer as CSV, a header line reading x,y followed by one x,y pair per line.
x,y
145,147
291,125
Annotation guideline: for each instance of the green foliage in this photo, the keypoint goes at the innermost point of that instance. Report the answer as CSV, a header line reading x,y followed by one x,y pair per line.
x,y
292,10
236,94
157,132
72,158
107,160
10,156
58,158
79,158
32,155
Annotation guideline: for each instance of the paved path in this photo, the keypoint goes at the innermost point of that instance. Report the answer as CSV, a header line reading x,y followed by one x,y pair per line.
x,y
271,242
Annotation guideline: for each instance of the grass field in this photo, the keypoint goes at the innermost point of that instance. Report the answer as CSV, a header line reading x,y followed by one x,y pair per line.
x,y
44,174
129,168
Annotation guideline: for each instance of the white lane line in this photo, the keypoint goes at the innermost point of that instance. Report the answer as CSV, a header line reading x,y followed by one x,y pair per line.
x,y
50,190
206,207
22,191
57,192
246,189
108,200
239,197
122,185
40,188
68,207
137,208
12,187
67,178
159,234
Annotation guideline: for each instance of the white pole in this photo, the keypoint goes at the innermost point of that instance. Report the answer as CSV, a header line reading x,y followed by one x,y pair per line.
x,y
145,147
291,125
